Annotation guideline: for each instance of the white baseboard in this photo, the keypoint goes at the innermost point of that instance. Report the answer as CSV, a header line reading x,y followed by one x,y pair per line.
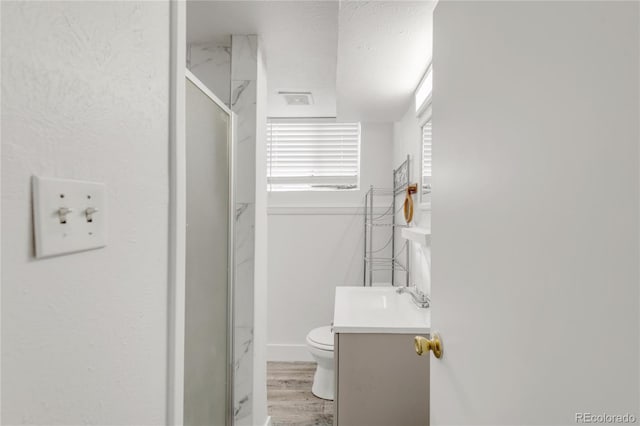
x,y
288,352
268,421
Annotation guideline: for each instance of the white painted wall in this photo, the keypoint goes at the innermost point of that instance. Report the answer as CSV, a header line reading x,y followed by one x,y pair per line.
x,y
535,211
407,140
85,95
315,244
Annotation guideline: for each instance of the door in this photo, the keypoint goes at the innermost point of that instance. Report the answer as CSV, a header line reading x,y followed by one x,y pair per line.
x,y
207,372
535,217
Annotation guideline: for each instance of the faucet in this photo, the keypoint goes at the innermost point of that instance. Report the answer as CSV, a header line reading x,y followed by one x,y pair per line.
x,y
419,298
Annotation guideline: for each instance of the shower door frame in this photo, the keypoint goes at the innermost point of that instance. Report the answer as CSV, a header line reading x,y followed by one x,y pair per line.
x,y
177,215
230,241
177,223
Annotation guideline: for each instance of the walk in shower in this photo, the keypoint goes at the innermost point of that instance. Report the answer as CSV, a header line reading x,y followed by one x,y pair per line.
x,y
208,355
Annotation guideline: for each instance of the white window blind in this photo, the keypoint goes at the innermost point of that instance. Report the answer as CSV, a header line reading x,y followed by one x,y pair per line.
x,y
426,158
311,155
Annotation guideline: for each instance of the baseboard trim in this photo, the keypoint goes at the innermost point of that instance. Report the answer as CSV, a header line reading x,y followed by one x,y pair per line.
x,y
288,352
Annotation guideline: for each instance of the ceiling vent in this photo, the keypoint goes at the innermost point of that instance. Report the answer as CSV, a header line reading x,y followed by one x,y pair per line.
x,y
297,98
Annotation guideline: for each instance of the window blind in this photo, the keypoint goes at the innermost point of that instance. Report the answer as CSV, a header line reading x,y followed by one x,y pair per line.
x,y
308,155
426,158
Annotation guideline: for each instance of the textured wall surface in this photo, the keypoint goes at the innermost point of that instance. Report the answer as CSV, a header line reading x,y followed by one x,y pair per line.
x,y
85,90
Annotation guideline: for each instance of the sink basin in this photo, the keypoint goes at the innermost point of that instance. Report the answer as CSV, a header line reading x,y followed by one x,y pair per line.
x,y
378,310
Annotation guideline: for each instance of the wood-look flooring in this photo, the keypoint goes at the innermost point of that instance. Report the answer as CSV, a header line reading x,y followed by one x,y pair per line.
x,y
289,396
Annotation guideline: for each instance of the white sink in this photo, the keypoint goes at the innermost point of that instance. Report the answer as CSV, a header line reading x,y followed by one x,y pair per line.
x,y
378,310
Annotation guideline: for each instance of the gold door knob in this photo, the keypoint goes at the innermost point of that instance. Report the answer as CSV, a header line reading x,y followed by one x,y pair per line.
x,y
422,345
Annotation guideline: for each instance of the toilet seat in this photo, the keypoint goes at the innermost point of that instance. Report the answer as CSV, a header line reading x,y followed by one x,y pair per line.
x,y
321,338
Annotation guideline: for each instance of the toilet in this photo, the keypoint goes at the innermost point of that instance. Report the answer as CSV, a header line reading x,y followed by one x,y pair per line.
x,y
320,344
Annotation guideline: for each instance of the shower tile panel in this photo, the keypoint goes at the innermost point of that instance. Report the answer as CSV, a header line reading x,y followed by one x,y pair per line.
x,y
244,265
244,65
243,389
243,104
211,63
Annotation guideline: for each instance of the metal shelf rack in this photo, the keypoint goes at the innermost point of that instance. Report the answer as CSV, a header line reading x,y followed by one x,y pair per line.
x,y
377,223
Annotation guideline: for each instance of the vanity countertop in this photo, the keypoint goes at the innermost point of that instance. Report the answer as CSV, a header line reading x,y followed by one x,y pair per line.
x,y
378,310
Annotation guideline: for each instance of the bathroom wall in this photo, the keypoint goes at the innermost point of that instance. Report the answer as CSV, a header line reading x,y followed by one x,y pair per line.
x,y
315,244
85,95
407,140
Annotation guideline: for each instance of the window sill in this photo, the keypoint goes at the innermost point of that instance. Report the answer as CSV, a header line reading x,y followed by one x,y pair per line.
x,y
285,191
342,209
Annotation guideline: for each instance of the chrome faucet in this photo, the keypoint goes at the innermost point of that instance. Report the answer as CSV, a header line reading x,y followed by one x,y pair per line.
x,y
419,298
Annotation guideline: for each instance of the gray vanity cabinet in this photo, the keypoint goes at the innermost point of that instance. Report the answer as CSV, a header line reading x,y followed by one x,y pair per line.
x,y
380,381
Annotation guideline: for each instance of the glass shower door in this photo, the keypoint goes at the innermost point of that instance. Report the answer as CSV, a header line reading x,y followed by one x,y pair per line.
x,y
208,348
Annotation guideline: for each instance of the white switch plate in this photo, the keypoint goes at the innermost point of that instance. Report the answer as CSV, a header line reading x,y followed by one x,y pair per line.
x,y
78,233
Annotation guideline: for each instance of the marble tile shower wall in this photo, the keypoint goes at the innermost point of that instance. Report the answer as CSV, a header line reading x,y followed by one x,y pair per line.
x,y
244,54
229,70
211,63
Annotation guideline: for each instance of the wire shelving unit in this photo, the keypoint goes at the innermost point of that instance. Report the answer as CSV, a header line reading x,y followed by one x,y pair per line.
x,y
376,223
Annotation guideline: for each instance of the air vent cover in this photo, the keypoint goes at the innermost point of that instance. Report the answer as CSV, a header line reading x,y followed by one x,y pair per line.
x,y
297,98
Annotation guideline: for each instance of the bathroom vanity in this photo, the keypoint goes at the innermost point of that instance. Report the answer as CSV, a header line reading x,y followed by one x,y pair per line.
x,y
380,380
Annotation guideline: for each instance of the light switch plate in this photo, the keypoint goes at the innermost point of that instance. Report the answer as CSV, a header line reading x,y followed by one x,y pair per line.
x,y
59,233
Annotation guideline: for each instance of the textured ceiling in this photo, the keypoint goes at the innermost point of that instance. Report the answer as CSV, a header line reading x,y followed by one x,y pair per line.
x,y
361,60
384,47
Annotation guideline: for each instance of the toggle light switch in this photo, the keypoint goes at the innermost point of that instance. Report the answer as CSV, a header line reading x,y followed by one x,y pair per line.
x,y
68,215
62,214
89,213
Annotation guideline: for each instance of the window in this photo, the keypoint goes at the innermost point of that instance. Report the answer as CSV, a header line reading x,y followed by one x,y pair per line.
x,y
422,95
306,155
426,158
422,98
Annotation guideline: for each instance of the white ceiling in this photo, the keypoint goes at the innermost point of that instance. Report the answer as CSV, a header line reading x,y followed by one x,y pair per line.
x,y
361,60
384,48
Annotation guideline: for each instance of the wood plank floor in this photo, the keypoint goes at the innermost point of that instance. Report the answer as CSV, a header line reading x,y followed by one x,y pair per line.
x,y
289,396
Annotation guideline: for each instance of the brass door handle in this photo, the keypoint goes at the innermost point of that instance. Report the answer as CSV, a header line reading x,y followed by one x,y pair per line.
x,y
422,345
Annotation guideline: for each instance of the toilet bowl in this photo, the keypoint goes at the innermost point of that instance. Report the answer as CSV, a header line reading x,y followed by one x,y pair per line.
x,y
320,344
